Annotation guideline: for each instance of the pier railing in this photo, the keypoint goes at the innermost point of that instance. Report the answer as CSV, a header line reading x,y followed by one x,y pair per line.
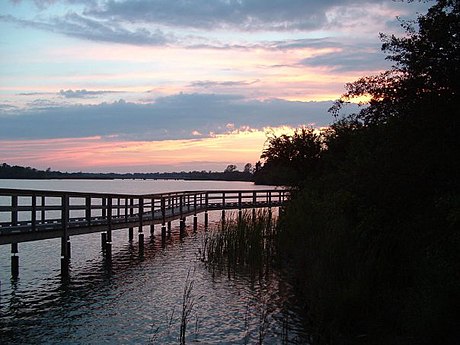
x,y
28,215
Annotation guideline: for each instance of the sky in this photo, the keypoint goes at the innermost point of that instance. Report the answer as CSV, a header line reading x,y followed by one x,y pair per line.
x,y
165,85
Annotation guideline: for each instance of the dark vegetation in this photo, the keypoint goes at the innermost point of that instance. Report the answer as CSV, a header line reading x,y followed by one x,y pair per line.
x,y
229,174
373,228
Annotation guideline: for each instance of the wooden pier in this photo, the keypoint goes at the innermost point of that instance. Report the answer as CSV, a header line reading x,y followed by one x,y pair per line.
x,y
31,215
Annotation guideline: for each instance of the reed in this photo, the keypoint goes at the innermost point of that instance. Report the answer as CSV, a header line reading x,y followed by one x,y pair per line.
x,y
188,302
242,241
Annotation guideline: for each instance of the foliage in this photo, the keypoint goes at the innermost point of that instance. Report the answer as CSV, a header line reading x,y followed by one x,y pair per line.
x,y
373,229
288,157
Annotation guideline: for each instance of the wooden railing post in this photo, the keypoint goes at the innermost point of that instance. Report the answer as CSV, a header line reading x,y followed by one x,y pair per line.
x,y
88,210
254,203
240,212
65,243
14,246
104,208
206,204
126,210
181,209
108,244
131,212
43,213
152,211
195,218
223,208
33,216
141,224
14,210
163,217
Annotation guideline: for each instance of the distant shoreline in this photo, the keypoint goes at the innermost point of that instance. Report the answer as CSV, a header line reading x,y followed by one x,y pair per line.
x,y
28,173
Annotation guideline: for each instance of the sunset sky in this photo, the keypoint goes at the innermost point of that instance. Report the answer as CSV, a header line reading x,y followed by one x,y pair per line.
x,y
165,85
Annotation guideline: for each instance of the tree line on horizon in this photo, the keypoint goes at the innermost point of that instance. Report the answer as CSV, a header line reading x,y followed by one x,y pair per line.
x,y
231,173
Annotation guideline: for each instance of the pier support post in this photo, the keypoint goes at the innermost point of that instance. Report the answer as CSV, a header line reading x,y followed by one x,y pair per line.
x,y
103,240
108,251
163,232
141,243
14,261
240,216
130,234
182,226
65,260
169,227
152,229
65,242
206,220
195,223
108,245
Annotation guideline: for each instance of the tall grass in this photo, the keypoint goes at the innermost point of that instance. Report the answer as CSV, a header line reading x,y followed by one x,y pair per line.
x,y
242,241
188,303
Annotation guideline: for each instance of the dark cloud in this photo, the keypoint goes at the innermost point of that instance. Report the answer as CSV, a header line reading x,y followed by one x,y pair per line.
x,y
7,107
80,26
350,58
43,103
206,84
223,14
76,25
84,93
171,117
34,93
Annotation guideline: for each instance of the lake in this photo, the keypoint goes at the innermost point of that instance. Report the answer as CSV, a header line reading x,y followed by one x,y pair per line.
x,y
138,299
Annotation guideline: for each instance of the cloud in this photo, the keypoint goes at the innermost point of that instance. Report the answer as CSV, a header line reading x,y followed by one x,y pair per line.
x,y
76,25
7,107
178,116
210,84
43,103
246,15
349,58
142,22
83,93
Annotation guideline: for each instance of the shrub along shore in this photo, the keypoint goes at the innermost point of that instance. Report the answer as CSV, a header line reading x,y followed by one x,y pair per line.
x,y
372,229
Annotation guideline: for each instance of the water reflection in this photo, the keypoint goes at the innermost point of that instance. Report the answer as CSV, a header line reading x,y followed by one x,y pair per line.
x,y
137,297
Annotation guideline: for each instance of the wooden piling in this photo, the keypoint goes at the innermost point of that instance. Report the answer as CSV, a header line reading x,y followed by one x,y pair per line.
x,y
103,240
14,261
65,259
182,225
141,243
108,245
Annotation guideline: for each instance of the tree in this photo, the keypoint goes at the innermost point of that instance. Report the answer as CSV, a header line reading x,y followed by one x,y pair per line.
x,y
375,235
426,68
230,168
248,168
289,159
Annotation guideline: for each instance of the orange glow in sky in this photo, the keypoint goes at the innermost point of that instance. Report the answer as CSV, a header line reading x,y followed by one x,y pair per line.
x,y
138,86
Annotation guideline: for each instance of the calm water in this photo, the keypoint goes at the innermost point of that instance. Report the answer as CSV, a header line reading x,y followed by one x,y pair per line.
x,y
138,299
